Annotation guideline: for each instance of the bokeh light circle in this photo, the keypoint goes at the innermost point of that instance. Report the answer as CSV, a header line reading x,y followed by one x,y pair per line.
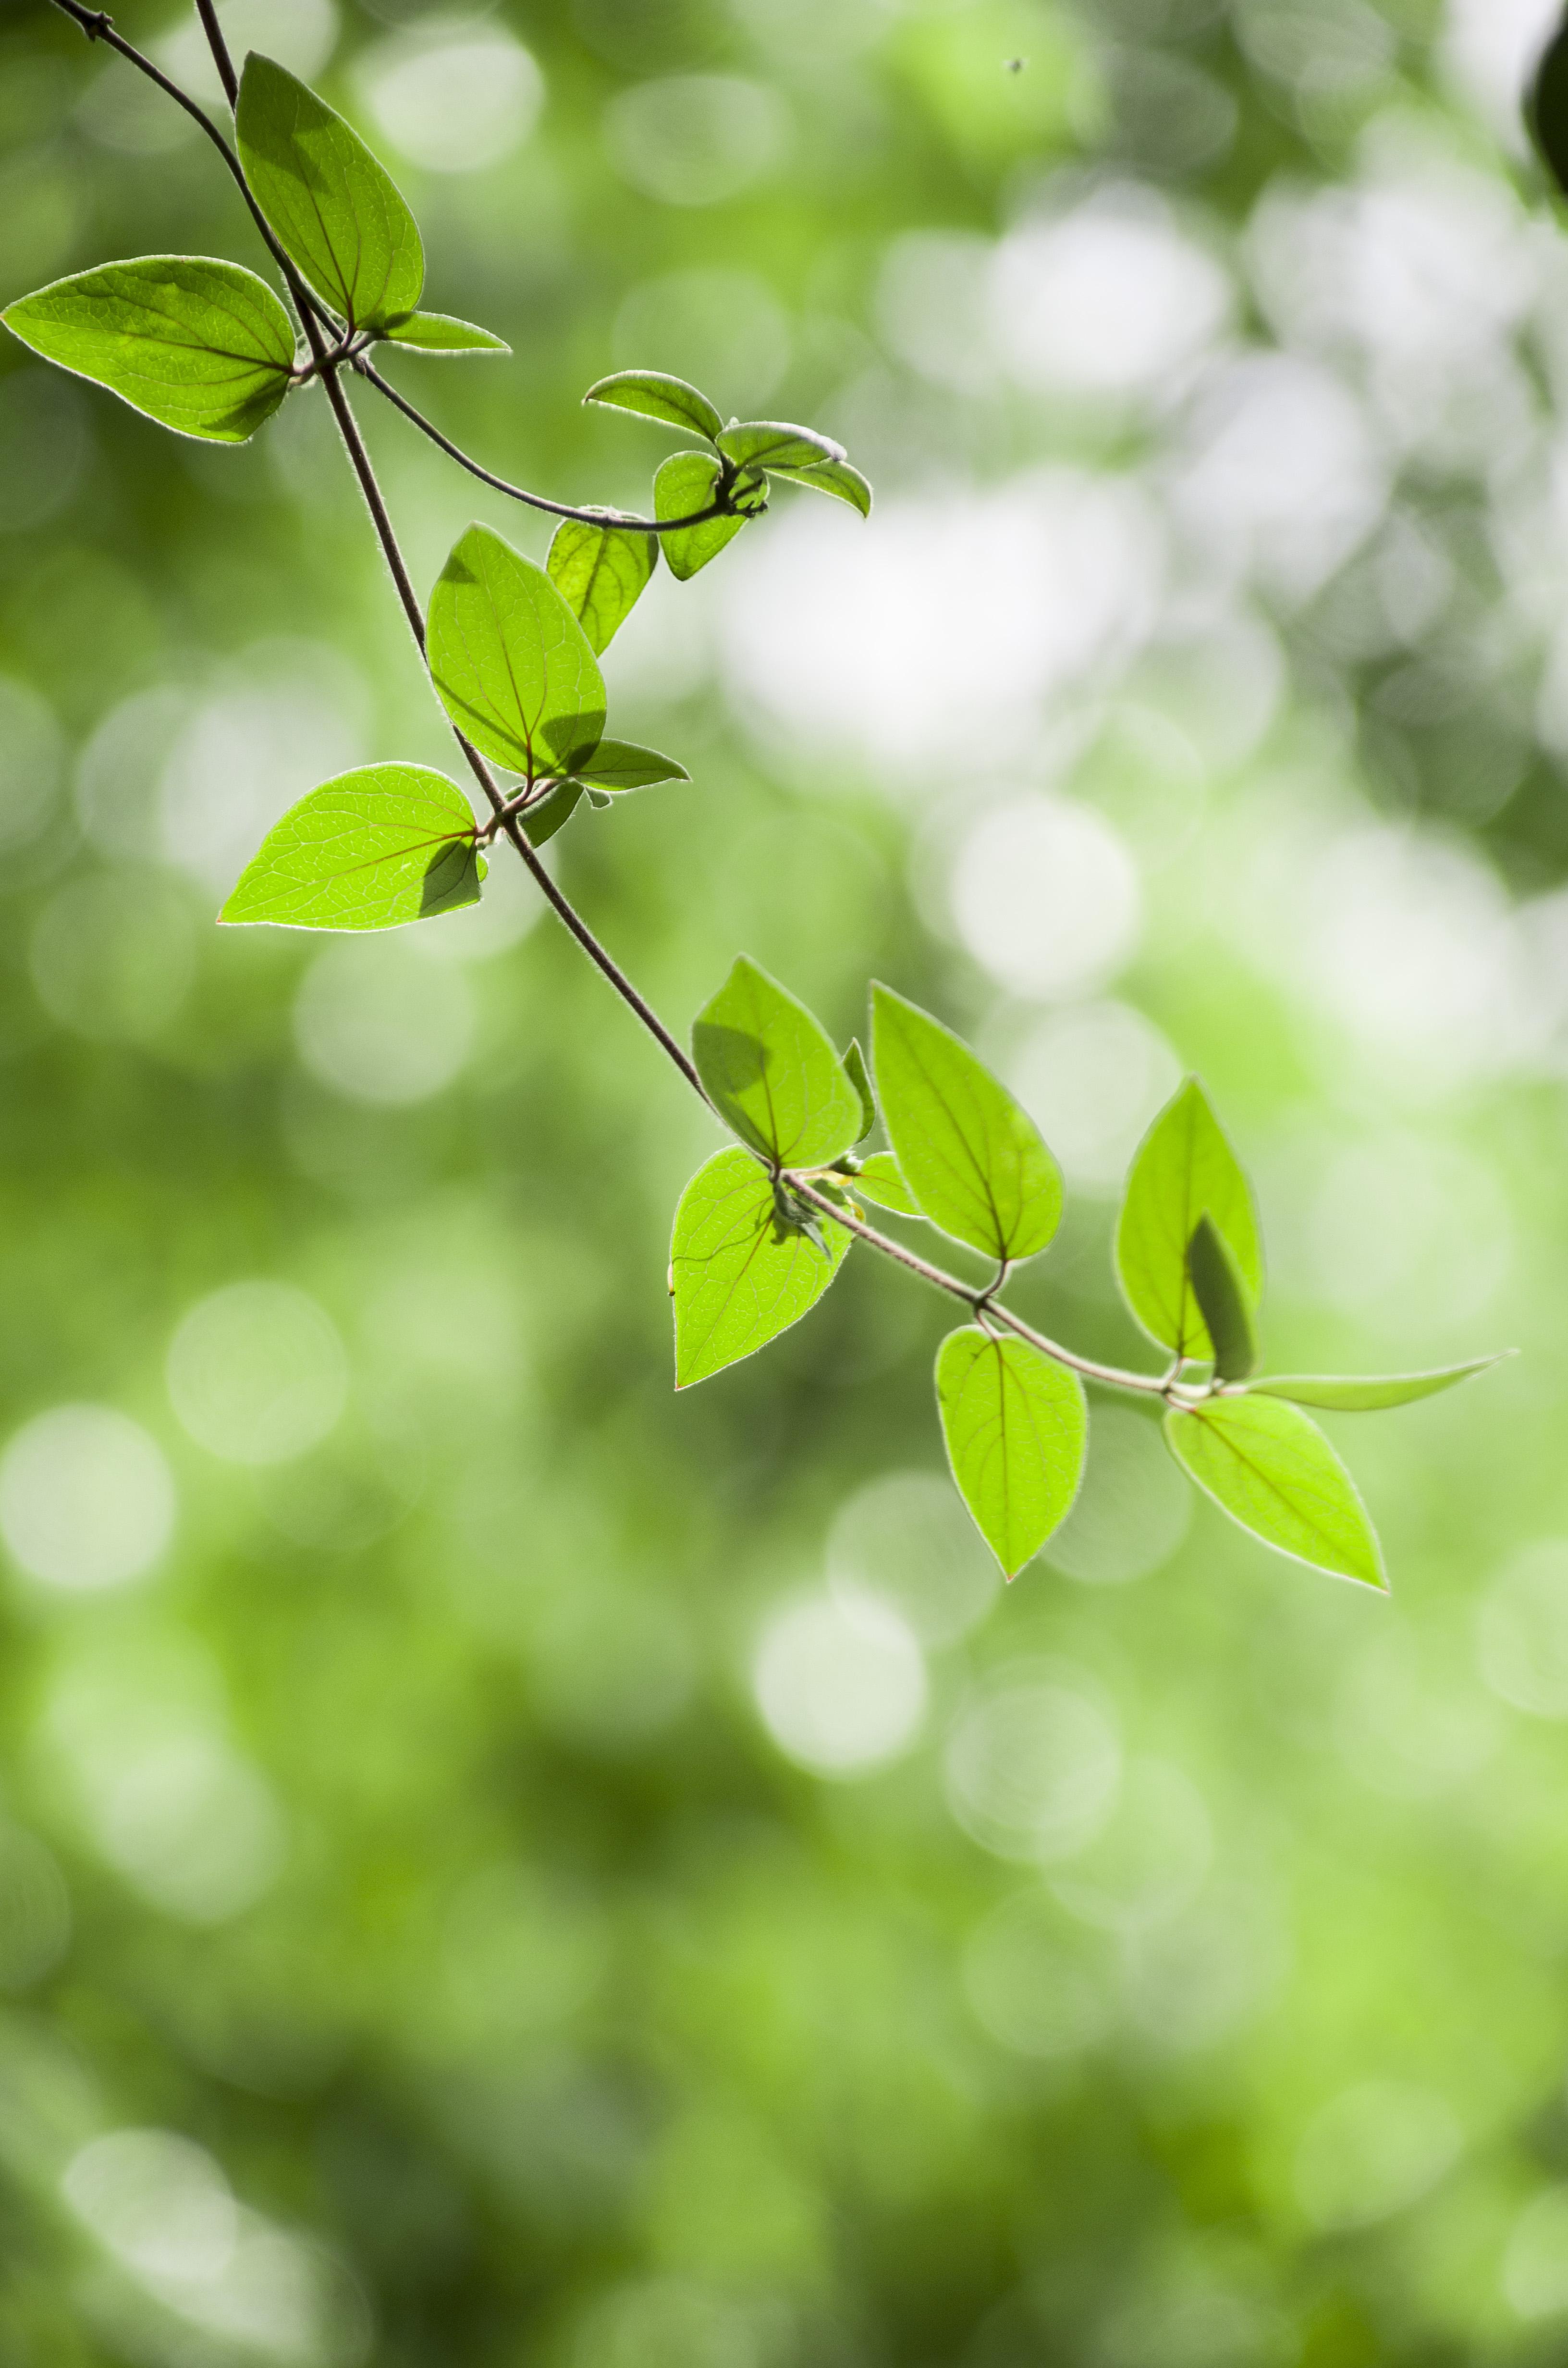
x,y
256,1372
87,1500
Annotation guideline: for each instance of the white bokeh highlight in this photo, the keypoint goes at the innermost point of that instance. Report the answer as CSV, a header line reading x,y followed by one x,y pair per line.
x,y
86,1499
1046,896
841,1688
454,94
256,1372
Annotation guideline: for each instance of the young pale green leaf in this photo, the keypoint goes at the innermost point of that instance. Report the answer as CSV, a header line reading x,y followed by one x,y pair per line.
x,y
440,333
654,394
835,477
599,572
200,347
622,765
370,850
775,444
1547,108
683,487
878,1179
1354,1394
510,661
1222,1299
969,1152
1182,1167
738,1273
771,1071
1016,1427
557,806
1269,1467
859,1076
334,210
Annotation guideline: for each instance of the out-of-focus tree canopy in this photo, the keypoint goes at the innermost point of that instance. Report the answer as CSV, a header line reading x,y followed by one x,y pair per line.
x,y
501,1863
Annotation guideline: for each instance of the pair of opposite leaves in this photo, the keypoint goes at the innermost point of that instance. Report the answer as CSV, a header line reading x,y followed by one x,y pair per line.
x,y
966,1155
204,348
519,678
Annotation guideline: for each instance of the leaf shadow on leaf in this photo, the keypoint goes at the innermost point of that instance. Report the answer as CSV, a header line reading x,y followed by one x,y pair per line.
x,y
732,1054
451,878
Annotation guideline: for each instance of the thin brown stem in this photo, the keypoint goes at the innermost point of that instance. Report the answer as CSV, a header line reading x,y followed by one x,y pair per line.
x,y
975,1298
327,361
517,493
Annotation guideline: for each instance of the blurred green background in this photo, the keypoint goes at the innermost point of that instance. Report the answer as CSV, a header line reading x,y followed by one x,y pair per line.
x,y
501,1864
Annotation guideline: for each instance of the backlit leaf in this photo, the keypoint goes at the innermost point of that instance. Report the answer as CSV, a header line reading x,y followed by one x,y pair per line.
x,y
1269,1467
440,333
599,572
654,395
967,1148
622,765
1017,1428
775,444
510,661
1355,1394
200,347
1182,1167
835,477
739,1276
1221,1298
772,1072
878,1179
557,806
334,209
859,1078
684,487
370,850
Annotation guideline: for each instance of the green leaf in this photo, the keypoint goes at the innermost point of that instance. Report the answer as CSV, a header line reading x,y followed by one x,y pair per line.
x,y
1182,1167
599,572
835,477
200,347
622,765
510,661
685,486
440,333
739,1275
334,210
775,444
370,850
968,1150
879,1180
772,1073
557,806
859,1076
1546,107
1221,1298
654,394
1016,1427
1356,1395
1269,1467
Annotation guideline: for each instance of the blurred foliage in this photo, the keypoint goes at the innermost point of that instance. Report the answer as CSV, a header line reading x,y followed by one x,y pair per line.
x,y
501,1862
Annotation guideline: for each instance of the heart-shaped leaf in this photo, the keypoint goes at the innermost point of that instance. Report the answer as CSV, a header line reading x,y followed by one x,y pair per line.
x,y
1016,1429
600,572
336,210
1269,1467
373,849
510,661
654,395
739,1273
771,1071
202,347
967,1148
